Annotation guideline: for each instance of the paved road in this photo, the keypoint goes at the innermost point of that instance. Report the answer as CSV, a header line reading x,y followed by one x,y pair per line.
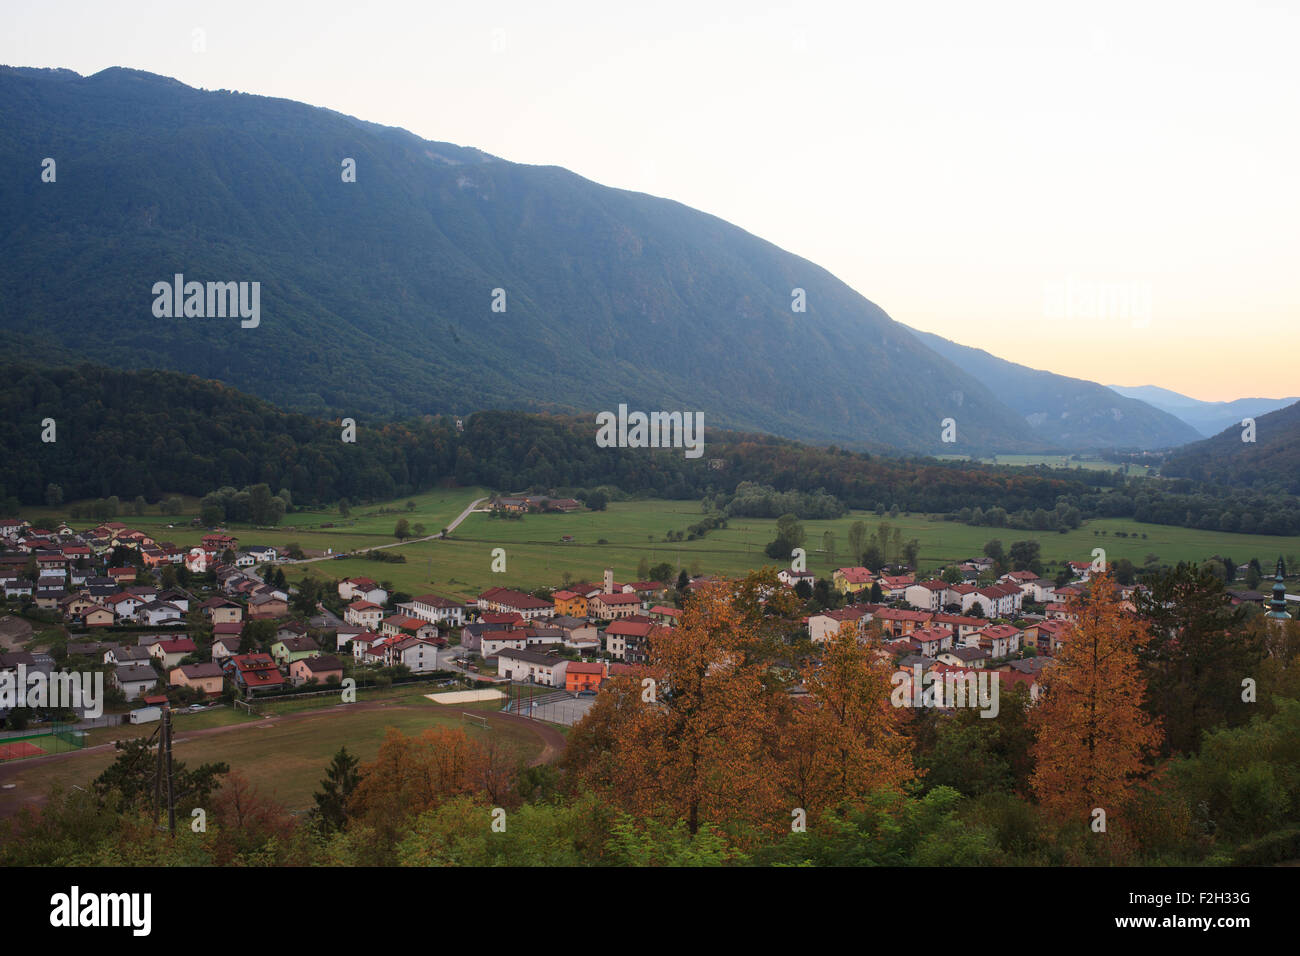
x,y
397,544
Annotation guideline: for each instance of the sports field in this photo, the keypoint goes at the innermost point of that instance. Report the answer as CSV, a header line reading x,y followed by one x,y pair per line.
x,y
284,756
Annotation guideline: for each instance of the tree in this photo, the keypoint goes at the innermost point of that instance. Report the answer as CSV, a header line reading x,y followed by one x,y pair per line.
x,y
993,549
1092,735
1025,556
848,742
133,775
345,507
857,539
596,500
789,529
643,569
701,751
53,495
341,779
1197,655
403,529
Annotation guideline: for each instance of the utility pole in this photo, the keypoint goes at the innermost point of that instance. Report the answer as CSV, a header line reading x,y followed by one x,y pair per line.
x,y
157,777
171,794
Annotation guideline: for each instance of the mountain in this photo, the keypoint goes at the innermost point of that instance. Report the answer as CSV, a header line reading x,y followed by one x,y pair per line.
x,y
376,294
1271,461
1069,412
1208,418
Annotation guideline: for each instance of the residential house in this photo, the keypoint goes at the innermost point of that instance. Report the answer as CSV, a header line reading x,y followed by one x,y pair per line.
x,y
570,603
435,609
254,673
324,670
581,676
611,607
208,677
290,649
222,611
365,614
929,595
507,600
852,580
170,653
134,680
266,607
532,667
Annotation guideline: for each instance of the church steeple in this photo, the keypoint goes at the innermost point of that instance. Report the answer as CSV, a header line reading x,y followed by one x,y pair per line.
x,y
1277,606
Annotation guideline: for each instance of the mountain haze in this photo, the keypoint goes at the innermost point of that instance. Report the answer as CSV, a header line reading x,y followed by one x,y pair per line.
x,y
1208,418
1069,412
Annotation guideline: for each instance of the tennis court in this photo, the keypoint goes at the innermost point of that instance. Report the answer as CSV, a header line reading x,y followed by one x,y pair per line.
x,y
19,748
35,745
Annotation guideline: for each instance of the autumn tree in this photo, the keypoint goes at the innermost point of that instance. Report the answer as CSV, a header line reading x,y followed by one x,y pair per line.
x,y
1092,735
702,747
413,774
845,739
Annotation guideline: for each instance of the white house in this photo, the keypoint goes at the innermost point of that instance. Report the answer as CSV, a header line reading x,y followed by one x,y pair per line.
x,y
157,613
928,595
532,666
365,614
435,609
419,655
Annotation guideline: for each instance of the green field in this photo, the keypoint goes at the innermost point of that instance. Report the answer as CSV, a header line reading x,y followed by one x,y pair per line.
x,y
536,557
286,758
1052,461
365,527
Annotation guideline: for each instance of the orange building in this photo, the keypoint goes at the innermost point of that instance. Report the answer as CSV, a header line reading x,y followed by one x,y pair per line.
x,y
582,676
570,604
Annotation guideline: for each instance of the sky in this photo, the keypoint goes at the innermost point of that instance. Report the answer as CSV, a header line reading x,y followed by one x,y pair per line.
x,y
1105,190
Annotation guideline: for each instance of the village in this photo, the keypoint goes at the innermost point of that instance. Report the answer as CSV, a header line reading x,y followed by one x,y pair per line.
x,y
233,631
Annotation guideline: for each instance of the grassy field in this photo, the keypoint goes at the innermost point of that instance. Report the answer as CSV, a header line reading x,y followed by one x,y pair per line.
x,y
286,758
1052,461
367,525
536,556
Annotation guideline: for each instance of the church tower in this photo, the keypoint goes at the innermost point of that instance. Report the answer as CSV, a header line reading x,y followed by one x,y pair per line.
x,y
1277,606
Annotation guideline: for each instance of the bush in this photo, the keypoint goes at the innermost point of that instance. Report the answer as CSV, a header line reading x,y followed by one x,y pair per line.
x,y
1279,846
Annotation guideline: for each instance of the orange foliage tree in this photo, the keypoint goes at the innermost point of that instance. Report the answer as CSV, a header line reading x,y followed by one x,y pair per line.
x,y
846,738
1092,736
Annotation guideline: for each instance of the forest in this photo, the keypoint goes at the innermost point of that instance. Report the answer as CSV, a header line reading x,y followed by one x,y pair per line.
x,y
89,432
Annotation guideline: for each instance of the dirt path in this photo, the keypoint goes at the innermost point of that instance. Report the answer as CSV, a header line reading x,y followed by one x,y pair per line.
x,y
396,544
551,739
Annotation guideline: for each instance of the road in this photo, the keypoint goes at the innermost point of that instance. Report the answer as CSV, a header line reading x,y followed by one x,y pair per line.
x,y
397,544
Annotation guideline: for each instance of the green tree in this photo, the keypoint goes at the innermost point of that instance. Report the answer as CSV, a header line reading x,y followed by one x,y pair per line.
x,y
341,778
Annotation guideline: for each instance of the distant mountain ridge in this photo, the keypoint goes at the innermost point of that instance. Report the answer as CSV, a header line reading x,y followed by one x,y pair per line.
x,y
1271,460
1208,418
377,294
1069,412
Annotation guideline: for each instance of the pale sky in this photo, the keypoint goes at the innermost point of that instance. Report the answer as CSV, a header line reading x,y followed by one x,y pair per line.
x,y
959,164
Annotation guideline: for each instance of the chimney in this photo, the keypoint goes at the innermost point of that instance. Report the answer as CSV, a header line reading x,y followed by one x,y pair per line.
x,y
609,580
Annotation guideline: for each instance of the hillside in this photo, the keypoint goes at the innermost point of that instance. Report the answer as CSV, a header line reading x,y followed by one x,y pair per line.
x,y
202,435
1272,461
1208,418
376,294
1069,412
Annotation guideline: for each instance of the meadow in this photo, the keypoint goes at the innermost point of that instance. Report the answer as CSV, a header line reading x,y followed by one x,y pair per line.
x,y
628,531
284,758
